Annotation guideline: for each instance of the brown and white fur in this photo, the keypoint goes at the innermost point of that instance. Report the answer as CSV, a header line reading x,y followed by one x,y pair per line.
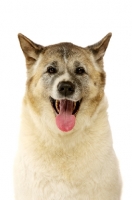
x,y
78,163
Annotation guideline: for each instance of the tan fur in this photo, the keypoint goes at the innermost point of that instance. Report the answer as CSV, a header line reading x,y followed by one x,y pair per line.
x,y
56,165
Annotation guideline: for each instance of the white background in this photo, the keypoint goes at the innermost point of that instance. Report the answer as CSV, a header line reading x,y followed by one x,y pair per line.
x,y
82,22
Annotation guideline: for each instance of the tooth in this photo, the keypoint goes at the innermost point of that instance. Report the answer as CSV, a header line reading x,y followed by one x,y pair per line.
x,y
74,105
57,105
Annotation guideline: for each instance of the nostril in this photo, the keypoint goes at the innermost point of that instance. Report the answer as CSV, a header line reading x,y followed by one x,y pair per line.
x,y
66,88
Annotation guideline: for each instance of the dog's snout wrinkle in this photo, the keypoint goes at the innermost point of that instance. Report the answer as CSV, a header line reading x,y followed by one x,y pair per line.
x,y
66,88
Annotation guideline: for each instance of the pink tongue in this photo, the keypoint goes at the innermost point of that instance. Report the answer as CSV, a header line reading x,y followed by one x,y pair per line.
x,y
65,120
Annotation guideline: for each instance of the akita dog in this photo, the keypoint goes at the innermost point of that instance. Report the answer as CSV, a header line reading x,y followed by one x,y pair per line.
x,y
65,146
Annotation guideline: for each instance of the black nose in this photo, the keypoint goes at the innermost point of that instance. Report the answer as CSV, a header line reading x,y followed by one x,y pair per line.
x,y
66,88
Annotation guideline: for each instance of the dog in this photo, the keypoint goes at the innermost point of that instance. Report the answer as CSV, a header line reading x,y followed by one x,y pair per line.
x,y
65,149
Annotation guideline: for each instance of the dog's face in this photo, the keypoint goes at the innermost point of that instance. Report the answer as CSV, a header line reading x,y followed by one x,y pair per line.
x,y
69,78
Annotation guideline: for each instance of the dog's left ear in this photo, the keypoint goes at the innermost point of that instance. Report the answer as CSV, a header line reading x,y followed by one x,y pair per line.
x,y
30,50
99,48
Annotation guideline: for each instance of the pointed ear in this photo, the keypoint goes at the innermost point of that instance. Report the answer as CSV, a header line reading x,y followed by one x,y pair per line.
x,y
99,48
30,49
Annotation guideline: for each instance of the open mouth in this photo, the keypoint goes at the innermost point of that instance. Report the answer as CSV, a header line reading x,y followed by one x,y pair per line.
x,y
56,105
66,111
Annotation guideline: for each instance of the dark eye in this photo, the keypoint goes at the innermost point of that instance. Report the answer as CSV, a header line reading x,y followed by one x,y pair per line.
x,y
80,70
51,70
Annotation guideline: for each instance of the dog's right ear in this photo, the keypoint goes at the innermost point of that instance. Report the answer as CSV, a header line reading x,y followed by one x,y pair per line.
x,y
30,49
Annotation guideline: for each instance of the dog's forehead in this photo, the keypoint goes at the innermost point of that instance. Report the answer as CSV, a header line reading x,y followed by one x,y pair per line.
x,y
65,50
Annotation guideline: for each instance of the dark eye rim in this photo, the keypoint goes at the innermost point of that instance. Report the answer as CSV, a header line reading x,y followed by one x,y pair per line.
x,y
51,70
80,71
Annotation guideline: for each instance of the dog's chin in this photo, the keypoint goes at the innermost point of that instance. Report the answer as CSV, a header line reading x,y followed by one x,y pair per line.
x,y
65,113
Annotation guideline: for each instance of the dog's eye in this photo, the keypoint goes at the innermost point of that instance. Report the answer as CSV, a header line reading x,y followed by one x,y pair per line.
x,y
51,70
80,70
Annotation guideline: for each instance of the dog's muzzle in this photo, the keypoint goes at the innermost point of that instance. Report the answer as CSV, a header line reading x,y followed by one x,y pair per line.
x,y
65,109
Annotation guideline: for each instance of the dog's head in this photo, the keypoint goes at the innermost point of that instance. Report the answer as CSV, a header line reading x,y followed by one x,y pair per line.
x,y
64,79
